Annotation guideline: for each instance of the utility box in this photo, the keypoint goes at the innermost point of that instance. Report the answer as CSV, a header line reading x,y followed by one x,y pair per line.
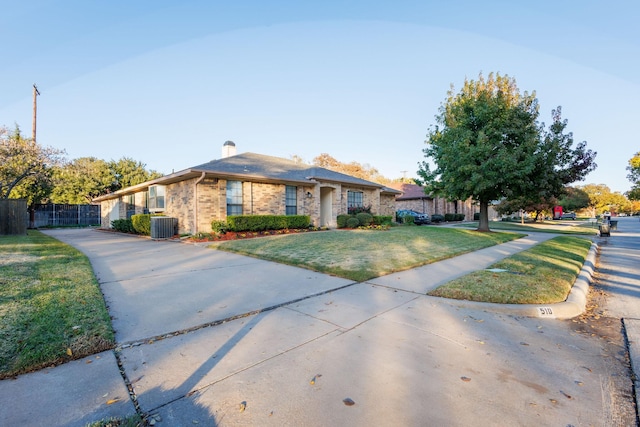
x,y
163,227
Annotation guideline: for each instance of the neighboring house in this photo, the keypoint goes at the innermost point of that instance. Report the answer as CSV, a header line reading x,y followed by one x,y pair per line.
x,y
413,197
247,184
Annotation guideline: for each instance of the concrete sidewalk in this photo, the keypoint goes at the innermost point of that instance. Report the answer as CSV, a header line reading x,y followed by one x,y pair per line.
x,y
312,342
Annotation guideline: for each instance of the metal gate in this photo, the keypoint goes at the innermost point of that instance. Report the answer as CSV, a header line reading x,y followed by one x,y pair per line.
x,y
52,215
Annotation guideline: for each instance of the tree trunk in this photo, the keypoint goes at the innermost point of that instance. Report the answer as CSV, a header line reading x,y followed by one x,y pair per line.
x,y
32,217
483,224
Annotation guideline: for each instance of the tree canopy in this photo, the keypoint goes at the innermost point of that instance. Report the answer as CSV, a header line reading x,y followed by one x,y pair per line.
x,y
25,166
128,172
574,199
363,171
81,180
634,177
602,199
85,178
488,145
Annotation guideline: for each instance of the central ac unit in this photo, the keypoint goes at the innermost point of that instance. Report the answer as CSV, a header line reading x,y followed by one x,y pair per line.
x,y
163,227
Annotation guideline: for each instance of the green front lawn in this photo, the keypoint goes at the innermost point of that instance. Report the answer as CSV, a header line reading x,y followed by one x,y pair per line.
x,y
360,255
541,275
51,307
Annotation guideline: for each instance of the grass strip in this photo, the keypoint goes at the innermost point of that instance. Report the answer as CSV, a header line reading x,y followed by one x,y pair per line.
x,y
51,306
555,227
541,275
360,255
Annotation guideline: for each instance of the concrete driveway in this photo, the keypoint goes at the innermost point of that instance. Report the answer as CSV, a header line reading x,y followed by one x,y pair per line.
x,y
153,288
209,338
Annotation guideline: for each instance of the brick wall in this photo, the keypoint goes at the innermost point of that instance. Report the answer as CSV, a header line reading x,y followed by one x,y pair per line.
x,y
440,206
263,199
387,204
179,204
258,199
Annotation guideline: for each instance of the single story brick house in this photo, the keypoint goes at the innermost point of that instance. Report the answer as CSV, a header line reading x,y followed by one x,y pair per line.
x,y
247,184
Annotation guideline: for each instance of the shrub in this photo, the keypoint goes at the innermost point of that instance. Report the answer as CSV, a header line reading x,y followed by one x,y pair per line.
x,y
342,220
408,219
382,219
454,217
122,225
364,218
437,218
353,222
219,227
476,216
141,224
267,222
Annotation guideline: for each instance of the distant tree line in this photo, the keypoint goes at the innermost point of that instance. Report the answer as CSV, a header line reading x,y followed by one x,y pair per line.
x,y
42,174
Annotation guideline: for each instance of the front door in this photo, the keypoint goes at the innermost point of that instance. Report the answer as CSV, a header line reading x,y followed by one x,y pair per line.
x,y
114,213
326,207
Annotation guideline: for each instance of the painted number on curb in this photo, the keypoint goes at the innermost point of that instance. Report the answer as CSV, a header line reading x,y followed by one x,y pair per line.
x,y
545,311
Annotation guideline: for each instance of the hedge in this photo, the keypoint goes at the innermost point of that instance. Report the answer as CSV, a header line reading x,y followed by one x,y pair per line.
x,y
122,225
364,218
407,219
382,219
267,222
453,217
437,218
141,224
353,222
219,227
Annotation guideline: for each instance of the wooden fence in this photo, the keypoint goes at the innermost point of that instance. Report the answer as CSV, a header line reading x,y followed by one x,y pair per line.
x,y
13,217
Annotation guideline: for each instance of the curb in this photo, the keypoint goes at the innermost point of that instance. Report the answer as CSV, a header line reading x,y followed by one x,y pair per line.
x,y
573,306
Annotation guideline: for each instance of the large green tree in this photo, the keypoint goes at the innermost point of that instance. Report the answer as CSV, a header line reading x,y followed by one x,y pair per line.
x,y
574,199
81,180
484,143
25,166
488,145
128,172
86,178
634,177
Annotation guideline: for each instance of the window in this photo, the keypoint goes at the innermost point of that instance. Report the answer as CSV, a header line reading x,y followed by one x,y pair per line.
x,y
156,198
131,205
234,198
291,202
354,199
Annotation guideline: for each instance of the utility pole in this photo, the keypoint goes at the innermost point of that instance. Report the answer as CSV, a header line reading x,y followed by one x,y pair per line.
x,y
35,112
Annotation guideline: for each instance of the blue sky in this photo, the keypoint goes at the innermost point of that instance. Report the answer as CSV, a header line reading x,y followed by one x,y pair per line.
x,y
167,83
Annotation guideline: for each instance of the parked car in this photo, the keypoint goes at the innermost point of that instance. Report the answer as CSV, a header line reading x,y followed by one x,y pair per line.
x,y
418,218
568,216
